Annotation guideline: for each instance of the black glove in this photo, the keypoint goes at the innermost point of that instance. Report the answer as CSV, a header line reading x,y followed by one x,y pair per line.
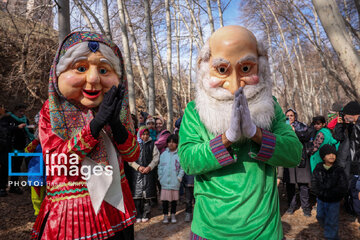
x,y
105,113
119,131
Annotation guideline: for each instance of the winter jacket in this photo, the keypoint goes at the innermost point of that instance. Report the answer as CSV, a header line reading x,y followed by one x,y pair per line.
x,y
329,185
144,185
17,137
349,149
169,170
301,173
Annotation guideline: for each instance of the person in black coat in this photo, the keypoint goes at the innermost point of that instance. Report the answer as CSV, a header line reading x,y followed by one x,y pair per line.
x,y
300,175
329,184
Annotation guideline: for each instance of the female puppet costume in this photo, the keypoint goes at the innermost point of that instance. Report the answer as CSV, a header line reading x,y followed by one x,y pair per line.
x,y
64,127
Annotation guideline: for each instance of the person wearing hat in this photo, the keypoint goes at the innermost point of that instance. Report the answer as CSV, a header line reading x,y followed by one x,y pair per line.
x,y
347,131
329,184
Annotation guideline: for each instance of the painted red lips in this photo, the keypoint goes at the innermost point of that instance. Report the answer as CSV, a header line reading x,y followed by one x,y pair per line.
x,y
91,94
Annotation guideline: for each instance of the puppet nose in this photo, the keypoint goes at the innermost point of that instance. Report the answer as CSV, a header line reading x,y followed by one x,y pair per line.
x,y
92,75
232,83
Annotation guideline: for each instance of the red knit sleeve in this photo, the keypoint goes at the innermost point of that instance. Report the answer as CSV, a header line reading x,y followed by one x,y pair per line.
x,y
130,149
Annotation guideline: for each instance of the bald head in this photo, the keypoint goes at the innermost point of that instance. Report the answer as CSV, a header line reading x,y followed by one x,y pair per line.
x,y
232,37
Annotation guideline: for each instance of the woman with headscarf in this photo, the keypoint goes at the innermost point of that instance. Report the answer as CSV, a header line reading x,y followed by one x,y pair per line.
x,y
87,118
162,134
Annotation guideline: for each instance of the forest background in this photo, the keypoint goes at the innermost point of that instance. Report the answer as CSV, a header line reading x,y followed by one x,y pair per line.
x,y
313,47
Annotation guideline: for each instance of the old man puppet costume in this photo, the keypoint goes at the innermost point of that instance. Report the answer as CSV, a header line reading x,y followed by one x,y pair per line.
x,y
87,116
232,137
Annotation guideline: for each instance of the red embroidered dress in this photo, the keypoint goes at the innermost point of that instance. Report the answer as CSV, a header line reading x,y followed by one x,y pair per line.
x,y
67,204
64,128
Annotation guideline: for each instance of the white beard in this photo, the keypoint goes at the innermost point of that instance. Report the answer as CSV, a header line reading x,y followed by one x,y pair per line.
x,y
214,105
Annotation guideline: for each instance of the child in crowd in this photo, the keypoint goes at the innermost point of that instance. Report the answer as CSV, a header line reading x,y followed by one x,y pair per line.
x,y
143,177
329,183
170,175
323,136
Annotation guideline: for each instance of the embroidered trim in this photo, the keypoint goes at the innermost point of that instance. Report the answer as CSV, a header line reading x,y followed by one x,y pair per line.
x,y
69,197
193,236
70,184
267,148
220,152
76,190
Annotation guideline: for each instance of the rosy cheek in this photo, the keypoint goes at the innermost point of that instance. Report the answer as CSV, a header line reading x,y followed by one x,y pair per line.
x,y
250,80
214,82
107,83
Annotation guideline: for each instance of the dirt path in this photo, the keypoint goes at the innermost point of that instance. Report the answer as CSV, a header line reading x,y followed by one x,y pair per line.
x,y
16,220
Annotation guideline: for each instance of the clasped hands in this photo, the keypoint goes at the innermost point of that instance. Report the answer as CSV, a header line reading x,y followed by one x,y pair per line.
x,y
144,170
241,124
109,113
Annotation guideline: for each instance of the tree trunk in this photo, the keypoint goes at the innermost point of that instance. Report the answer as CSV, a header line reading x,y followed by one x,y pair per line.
x,y
127,57
335,29
150,77
85,16
210,16
168,64
220,13
106,19
145,88
63,19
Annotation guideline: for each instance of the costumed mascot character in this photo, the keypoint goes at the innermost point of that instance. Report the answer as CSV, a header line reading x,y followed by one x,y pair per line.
x,y
87,117
232,138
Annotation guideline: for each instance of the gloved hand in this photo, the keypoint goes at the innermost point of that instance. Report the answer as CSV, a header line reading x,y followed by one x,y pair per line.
x,y
119,131
234,132
248,128
105,113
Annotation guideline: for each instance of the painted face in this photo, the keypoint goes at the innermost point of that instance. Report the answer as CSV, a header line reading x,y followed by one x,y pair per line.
x,y
158,125
329,159
87,79
145,136
233,60
319,125
291,116
172,146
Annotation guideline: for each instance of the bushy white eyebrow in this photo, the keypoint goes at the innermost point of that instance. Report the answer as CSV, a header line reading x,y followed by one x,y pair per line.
x,y
219,61
104,60
79,59
248,58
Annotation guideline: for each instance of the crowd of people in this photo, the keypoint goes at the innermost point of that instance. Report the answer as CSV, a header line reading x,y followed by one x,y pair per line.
x,y
329,166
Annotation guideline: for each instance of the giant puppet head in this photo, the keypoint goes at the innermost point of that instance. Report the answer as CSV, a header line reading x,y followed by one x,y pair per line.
x,y
231,58
85,67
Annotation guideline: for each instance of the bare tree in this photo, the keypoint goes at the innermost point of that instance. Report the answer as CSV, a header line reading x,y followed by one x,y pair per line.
x,y
210,16
63,19
168,64
106,19
335,29
150,74
127,57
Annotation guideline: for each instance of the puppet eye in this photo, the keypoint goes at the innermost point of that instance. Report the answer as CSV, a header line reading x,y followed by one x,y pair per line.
x,y
222,69
81,69
103,71
245,68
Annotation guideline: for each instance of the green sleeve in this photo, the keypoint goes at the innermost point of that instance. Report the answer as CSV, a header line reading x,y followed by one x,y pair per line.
x,y
197,147
288,148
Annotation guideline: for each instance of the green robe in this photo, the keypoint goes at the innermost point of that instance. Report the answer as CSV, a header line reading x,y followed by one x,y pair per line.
x,y
240,200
